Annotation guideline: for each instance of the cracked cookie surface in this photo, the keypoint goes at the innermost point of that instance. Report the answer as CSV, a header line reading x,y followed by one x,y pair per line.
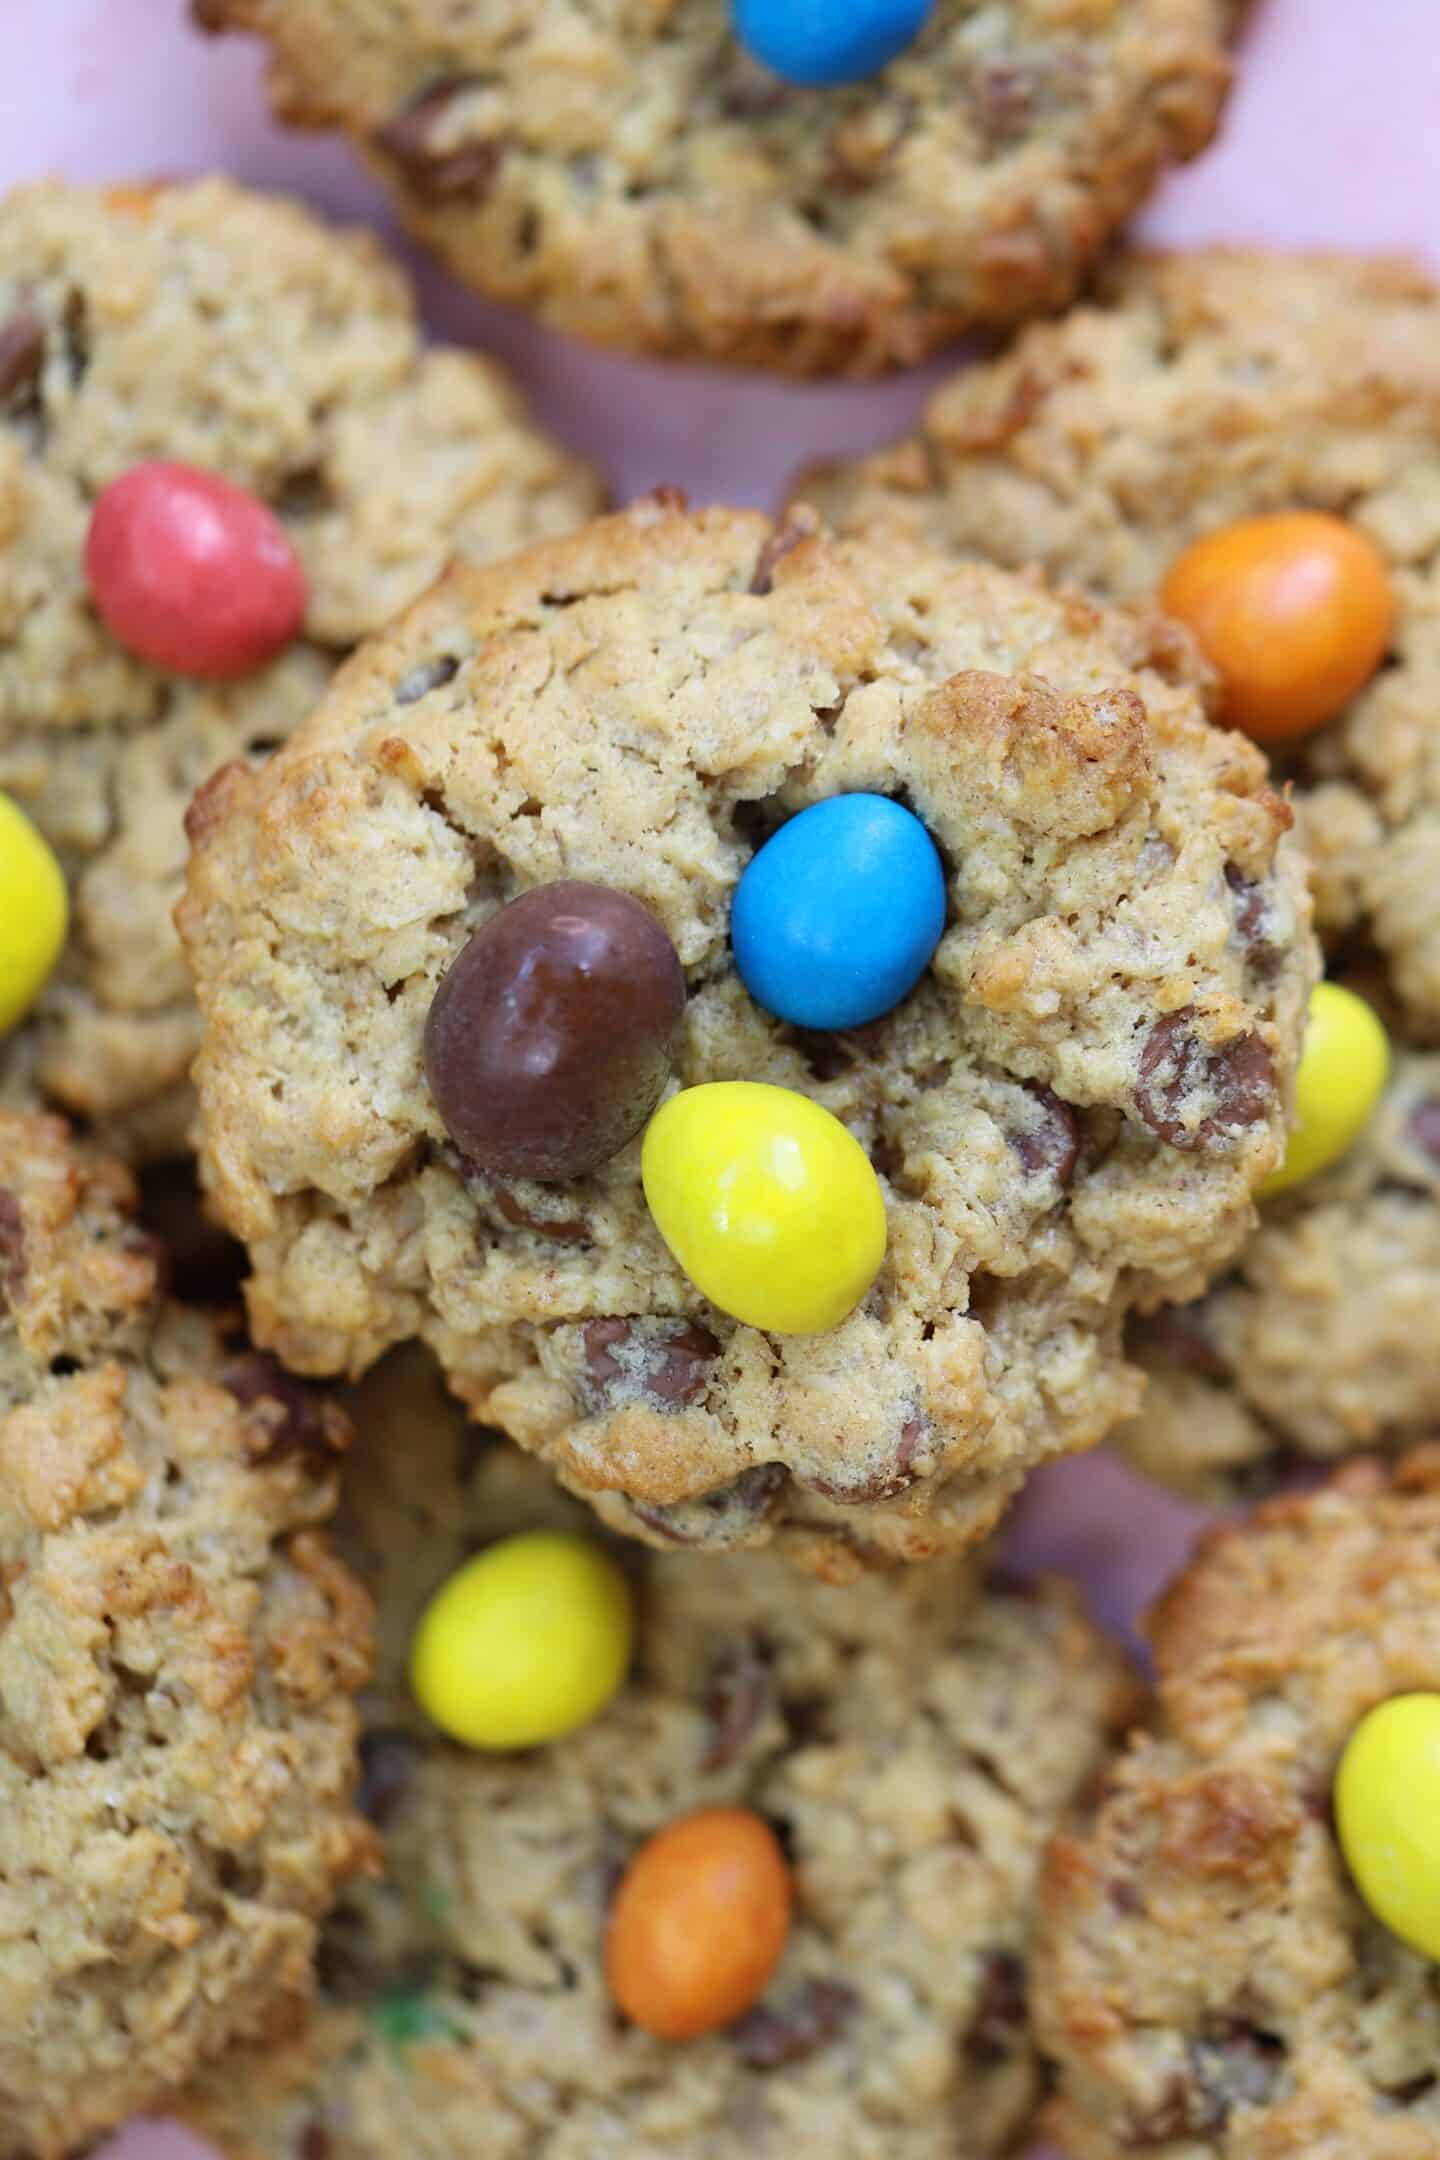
x,y
625,170
913,1736
1321,1340
1200,389
179,1648
232,331
1069,1114
1206,1976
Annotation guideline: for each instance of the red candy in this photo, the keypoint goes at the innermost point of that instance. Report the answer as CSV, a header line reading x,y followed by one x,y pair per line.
x,y
191,572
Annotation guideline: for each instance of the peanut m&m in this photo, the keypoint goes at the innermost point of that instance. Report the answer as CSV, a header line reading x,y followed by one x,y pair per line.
x,y
1387,1814
769,1205
527,1641
1293,610
699,1923
548,1042
817,44
1344,1064
192,573
34,911
836,917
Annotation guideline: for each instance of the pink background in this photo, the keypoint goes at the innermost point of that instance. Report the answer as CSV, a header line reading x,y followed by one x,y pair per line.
x,y
1331,140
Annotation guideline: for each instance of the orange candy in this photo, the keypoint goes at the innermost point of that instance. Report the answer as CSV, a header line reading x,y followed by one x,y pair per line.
x,y
1294,611
699,1923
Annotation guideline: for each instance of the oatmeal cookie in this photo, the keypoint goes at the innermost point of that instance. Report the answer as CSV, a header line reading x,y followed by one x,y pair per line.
x,y
1196,390
232,331
1069,1113
632,175
178,1651
1207,1977
1321,1340
913,1738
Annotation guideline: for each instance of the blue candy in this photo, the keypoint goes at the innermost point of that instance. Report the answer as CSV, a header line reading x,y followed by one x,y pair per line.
x,y
818,43
835,919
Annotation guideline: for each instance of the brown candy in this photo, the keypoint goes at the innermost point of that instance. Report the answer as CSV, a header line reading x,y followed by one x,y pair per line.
x,y
548,1043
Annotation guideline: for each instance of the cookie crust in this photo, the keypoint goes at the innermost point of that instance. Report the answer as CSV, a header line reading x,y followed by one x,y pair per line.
x,y
179,1648
1069,1115
1197,389
234,331
914,1737
1207,1978
1321,1340
631,176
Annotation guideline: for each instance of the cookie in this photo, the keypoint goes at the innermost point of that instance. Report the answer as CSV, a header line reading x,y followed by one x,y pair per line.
x,y
913,1737
635,176
1068,1114
1197,390
179,1647
223,329
1320,1341
1207,1977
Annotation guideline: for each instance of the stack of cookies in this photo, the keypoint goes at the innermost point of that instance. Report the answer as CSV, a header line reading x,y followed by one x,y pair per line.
x,y
586,1097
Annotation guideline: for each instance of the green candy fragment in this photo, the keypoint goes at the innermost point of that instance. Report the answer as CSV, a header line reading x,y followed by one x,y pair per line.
x,y
405,2016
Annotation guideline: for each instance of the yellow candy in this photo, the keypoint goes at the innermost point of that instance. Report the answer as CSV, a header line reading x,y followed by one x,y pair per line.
x,y
33,913
525,1642
767,1202
1344,1065
1387,1811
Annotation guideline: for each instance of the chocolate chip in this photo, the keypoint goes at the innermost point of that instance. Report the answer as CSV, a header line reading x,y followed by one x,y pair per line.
x,y
1191,1096
1175,1334
568,1229
388,1758
75,337
774,2035
752,92
1232,2064
315,2144
1425,1128
718,1517
738,1696
883,1482
12,1246
465,173
998,2024
431,675
784,539
1002,100
22,353
665,1365
296,1417
1050,1141
1252,911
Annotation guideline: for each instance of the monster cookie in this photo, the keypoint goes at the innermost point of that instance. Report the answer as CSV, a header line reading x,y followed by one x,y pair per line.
x,y
145,333
830,189
178,1649
932,1224
1322,1339
1231,391
879,1764
1219,1971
